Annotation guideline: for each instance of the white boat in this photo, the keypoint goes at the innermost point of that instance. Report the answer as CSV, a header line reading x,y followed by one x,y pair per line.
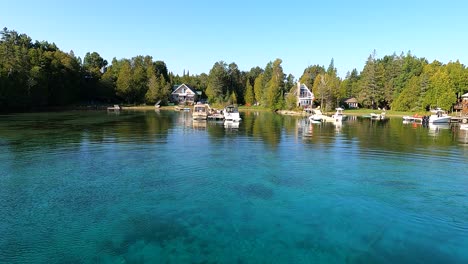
x,y
415,118
338,115
231,113
439,117
215,114
200,111
316,116
377,116
114,108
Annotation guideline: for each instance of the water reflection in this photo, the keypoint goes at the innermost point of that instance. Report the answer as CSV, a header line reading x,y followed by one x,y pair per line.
x,y
435,129
199,124
56,129
230,125
463,135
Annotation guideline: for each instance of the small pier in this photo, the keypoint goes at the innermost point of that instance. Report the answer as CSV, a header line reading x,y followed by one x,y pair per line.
x,y
459,119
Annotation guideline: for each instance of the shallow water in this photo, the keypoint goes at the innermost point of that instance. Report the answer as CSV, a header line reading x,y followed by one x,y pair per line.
x,y
141,187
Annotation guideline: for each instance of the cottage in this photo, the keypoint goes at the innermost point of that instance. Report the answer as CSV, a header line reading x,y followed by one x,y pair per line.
x,y
305,97
351,102
183,94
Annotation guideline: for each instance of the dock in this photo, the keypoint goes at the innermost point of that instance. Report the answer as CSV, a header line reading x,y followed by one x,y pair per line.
x,y
459,119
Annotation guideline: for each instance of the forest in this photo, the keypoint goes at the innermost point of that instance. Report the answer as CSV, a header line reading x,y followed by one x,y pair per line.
x,y
39,75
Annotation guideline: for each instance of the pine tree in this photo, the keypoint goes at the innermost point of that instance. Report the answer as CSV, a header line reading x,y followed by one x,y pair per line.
x,y
249,94
258,88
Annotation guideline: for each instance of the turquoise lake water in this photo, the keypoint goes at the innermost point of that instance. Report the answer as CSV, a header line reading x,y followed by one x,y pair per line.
x,y
156,187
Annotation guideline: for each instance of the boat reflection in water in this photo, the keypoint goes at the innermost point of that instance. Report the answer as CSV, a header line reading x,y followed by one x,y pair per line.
x,y
435,129
463,134
199,124
231,124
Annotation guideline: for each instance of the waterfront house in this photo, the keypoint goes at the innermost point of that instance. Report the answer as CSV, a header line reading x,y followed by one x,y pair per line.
x,y
183,94
351,102
305,97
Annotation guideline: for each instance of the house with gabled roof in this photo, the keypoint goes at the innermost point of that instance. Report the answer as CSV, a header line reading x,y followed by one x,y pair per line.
x,y
305,97
352,102
184,94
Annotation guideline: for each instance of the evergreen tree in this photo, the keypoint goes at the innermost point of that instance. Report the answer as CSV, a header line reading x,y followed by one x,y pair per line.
x,y
124,82
249,94
258,88
217,82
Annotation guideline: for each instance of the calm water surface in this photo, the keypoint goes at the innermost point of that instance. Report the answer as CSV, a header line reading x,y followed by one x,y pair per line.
x,y
155,187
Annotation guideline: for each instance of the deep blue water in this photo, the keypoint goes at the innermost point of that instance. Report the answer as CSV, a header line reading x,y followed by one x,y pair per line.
x,y
154,187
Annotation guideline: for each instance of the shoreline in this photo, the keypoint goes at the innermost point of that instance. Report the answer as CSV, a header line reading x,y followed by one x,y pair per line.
x,y
358,112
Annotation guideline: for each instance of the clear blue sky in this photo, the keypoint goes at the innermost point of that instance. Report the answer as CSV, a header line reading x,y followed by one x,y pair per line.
x,y
193,35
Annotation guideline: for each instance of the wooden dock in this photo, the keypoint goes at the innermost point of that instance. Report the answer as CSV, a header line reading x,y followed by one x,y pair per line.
x,y
459,119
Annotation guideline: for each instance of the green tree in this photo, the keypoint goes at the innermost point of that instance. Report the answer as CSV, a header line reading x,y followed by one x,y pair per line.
x,y
217,82
93,63
249,94
441,91
274,96
124,82
310,73
408,98
258,88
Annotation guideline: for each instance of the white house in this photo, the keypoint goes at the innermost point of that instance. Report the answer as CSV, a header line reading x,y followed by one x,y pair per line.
x,y
305,97
183,94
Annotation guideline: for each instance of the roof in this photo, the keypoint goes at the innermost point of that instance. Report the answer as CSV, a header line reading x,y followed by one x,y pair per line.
x,y
465,95
351,100
303,87
177,87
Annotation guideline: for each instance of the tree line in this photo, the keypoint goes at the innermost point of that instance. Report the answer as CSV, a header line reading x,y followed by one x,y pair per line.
x,y
39,74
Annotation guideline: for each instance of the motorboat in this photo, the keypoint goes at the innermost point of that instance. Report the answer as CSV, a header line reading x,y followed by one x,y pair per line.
x,y
215,114
316,115
231,113
415,118
200,111
439,116
114,108
338,115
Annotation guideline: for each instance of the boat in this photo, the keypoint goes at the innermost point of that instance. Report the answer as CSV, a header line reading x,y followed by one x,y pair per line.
x,y
377,116
415,118
439,117
215,114
316,116
185,109
231,113
338,115
114,108
200,111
